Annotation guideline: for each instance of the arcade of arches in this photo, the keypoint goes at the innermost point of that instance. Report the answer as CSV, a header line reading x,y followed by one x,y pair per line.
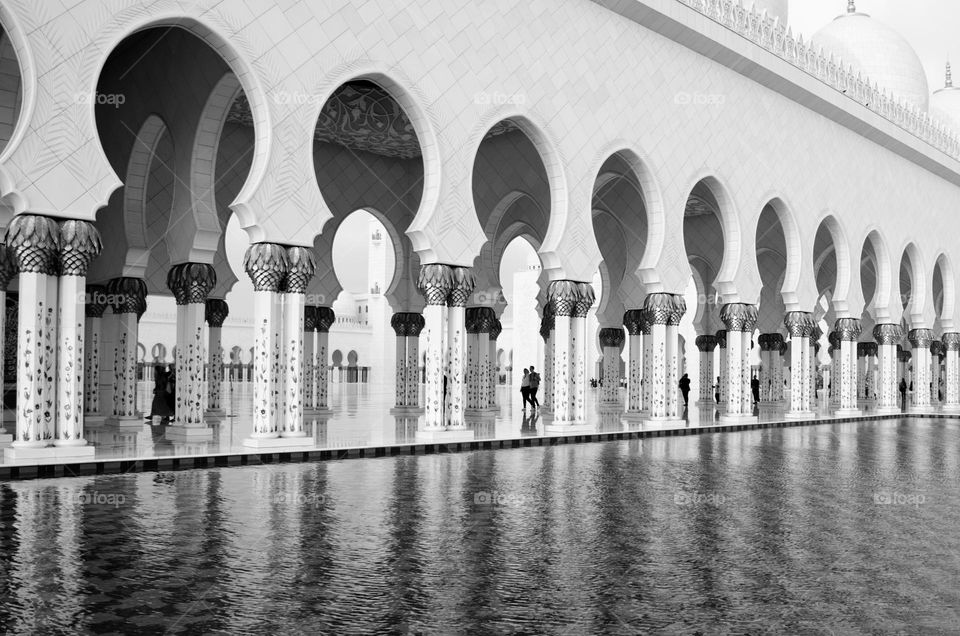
x,y
809,309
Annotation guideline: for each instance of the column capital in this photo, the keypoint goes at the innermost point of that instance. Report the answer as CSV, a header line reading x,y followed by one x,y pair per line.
x,y
815,334
324,317
216,311
936,348
739,317
127,295
96,301
485,317
546,326
8,266
435,282
191,282
920,338
35,241
833,339
611,337
632,321
799,324
79,245
770,341
310,319
721,338
585,300
300,268
848,329
887,334
463,281
663,309
706,343
471,320
563,296
951,341
496,327
266,265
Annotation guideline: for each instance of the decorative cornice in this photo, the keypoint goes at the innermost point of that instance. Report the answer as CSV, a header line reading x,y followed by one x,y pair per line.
x,y
310,319
848,329
632,321
663,309
496,328
721,338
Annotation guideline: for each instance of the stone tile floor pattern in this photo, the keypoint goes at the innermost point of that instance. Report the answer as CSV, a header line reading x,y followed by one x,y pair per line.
x,y
362,418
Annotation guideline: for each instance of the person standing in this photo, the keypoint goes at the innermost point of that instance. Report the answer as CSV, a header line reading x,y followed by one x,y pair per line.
x,y
534,385
685,388
525,388
716,390
755,388
903,393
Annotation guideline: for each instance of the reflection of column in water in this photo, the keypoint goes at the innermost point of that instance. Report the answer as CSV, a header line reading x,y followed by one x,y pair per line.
x,y
405,428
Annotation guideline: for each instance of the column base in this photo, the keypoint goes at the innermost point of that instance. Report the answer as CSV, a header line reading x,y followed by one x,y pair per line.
x,y
572,428
927,409
278,442
93,419
950,408
635,416
739,419
215,413
48,454
702,404
441,436
188,434
318,412
855,412
799,415
6,439
887,410
125,421
406,410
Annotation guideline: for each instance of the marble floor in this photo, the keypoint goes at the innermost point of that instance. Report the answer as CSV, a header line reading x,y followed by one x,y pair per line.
x,y
362,417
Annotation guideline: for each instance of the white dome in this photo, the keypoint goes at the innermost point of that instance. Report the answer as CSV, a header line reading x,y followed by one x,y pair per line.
x,y
774,8
945,103
878,53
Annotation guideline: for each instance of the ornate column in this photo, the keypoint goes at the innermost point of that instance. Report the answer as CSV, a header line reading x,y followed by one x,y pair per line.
x,y
951,393
870,382
848,331
300,268
190,284
920,340
266,265
706,345
811,366
79,245
562,296
936,350
862,370
740,320
35,241
495,328
485,318
546,332
93,330
325,317
834,393
887,337
128,300
721,337
903,363
771,384
435,282
646,380
632,321
799,326
663,312
309,359
8,269
399,322
215,312
472,372
462,284
578,347
611,342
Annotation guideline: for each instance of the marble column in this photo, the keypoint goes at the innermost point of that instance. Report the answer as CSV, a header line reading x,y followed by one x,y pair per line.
x,y
35,241
780,380
399,323
903,364
546,332
646,379
799,326
578,347
495,329
472,372
611,343
862,370
324,317
951,393
770,380
848,330
128,301
834,385
216,311
632,321
309,359
740,319
435,282
870,381
190,284
300,268
79,245
706,345
266,264
563,296
811,366
95,307
936,350
462,284
920,340
663,312
888,397
721,378
8,269
485,318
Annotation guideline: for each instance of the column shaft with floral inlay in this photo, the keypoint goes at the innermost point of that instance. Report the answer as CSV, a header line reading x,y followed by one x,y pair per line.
x,y
128,301
435,282
266,265
190,284
462,284
8,269
309,358
79,245
563,296
936,350
887,336
325,318
546,332
578,348
300,268
706,346
646,336
770,380
662,312
920,340
848,331
740,320
482,324
611,343
495,329
472,373
724,369
951,345
35,241
216,311
632,319
93,329
673,356
799,326
810,365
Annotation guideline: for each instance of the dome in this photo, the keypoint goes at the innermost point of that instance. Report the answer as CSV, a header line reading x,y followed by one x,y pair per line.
x,y
774,8
878,53
945,103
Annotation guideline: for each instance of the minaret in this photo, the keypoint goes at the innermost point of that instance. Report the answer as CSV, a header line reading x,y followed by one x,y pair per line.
x,y
851,6
948,83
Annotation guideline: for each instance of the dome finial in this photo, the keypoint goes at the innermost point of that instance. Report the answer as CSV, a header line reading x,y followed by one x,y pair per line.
x,y
851,6
949,81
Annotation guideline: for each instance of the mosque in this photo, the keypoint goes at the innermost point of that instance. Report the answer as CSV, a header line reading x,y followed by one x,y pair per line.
x,y
704,190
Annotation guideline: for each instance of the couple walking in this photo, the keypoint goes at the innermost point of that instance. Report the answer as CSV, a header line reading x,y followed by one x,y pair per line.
x,y
528,388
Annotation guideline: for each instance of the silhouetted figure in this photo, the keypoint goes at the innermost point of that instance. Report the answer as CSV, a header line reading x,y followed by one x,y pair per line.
x,y
685,388
160,406
716,390
525,389
755,388
534,386
903,393
172,389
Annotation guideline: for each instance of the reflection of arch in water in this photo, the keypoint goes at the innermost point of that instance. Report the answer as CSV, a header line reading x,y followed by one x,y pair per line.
x,y
337,358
